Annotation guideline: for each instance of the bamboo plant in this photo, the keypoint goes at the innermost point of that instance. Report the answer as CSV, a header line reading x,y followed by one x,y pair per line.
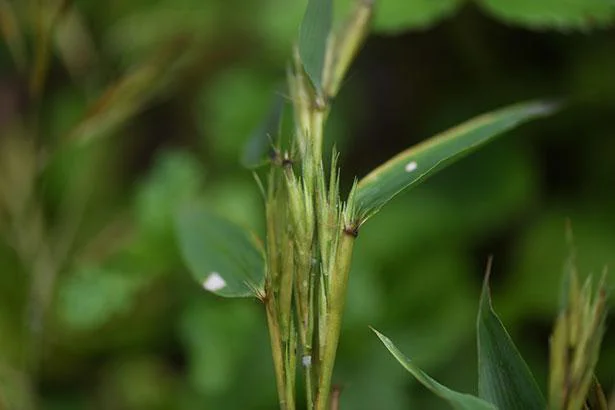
x,y
505,381
300,271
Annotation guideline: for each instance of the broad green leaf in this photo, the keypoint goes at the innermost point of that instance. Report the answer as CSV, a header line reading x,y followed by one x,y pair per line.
x,y
412,166
91,296
557,14
224,258
263,137
394,16
175,178
313,35
504,378
460,401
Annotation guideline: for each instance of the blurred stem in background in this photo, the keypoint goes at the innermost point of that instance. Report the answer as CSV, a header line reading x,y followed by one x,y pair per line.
x,y
41,255
45,241
43,249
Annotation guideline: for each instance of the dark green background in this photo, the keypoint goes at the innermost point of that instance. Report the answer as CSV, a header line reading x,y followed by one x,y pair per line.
x,y
130,330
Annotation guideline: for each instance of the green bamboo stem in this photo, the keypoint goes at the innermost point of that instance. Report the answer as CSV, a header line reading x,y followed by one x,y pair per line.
x,y
277,352
290,366
305,332
337,299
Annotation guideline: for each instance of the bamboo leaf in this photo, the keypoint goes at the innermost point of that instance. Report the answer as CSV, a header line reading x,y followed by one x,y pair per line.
x,y
504,378
557,14
460,401
412,166
313,36
394,16
224,258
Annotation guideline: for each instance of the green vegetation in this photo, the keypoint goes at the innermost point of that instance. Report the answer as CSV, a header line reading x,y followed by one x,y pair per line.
x,y
121,129
504,379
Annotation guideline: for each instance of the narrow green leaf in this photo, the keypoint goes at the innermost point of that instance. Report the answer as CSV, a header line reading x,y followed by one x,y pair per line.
x,y
118,104
136,90
504,378
313,36
460,401
263,137
555,14
412,166
224,258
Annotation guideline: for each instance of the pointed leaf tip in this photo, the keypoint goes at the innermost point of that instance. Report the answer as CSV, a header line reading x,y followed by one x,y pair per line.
x,y
504,378
411,167
459,401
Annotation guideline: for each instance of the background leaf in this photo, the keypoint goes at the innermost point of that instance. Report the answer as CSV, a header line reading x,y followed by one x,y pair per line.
x,y
262,138
121,101
224,258
504,378
91,296
557,14
176,177
457,400
394,16
412,166
313,35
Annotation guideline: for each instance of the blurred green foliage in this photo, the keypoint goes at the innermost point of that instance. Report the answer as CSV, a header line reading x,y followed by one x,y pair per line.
x,y
171,91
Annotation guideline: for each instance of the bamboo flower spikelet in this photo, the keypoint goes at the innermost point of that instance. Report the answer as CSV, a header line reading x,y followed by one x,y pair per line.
x,y
300,271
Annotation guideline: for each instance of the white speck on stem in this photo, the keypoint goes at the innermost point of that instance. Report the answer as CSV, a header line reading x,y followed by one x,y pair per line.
x,y
306,361
214,282
411,166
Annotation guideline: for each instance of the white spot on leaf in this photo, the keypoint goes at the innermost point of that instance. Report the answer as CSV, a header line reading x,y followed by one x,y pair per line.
x,y
214,282
411,166
306,361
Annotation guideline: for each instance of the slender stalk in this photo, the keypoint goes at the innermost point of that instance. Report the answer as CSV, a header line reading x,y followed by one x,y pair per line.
x,y
305,334
277,352
335,398
319,115
322,249
291,367
337,300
